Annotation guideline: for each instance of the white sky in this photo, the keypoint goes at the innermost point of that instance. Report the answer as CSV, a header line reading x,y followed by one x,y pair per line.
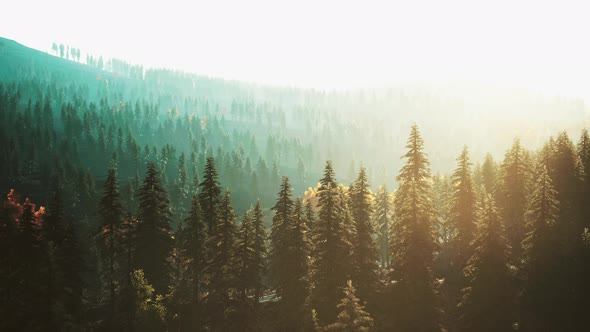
x,y
327,44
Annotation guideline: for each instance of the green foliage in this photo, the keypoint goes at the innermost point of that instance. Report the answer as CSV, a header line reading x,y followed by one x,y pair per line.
x,y
414,243
352,317
364,249
488,300
149,310
153,243
332,247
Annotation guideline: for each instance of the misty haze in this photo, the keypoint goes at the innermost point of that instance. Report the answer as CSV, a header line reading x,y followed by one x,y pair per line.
x,y
307,166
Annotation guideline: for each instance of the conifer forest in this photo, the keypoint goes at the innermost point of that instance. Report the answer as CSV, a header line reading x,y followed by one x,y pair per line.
x,y
145,199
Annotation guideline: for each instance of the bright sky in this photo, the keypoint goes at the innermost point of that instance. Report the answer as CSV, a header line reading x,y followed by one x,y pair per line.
x,y
327,44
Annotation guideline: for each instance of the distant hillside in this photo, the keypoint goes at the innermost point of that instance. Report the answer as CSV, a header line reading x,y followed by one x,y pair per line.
x,y
18,61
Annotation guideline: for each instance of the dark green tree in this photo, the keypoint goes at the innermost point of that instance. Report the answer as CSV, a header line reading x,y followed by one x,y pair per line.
x,y
221,269
191,251
210,194
364,249
488,300
110,213
382,217
352,316
153,242
542,292
513,194
414,243
331,250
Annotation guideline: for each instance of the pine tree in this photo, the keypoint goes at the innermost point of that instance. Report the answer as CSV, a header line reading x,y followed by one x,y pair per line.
x,y
260,250
583,154
283,209
489,174
414,243
513,193
542,294
289,262
364,249
70,262
567,181
153,243
463,209
487,303
297,287
332,248
221,270
246,270
382,218
110,213
191,239
210,195
352,317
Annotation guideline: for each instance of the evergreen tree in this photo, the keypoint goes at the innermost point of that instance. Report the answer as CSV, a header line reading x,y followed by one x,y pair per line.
x,y
260,250
583,153
332,248
463,209
310,217
279,249
70,262
246,270
210,195
382,218
513,194
364,249
289,258
542,293
567,182
110,213
487,303
153,241
489,174
191,242
221,270
414,243
352,317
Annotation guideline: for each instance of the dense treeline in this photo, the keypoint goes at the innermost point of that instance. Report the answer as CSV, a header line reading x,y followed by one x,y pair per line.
x,y
176,203
454,260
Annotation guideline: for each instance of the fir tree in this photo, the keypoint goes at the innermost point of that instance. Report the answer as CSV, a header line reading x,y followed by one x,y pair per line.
x,y
210,195
541,259
513,194
191,239
487,303
488,174
153,241
414,243
332,249
110,213
382,218
289,262
463,209
352,317
221,269
260,250
283,209
71,265
364,250
246,270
